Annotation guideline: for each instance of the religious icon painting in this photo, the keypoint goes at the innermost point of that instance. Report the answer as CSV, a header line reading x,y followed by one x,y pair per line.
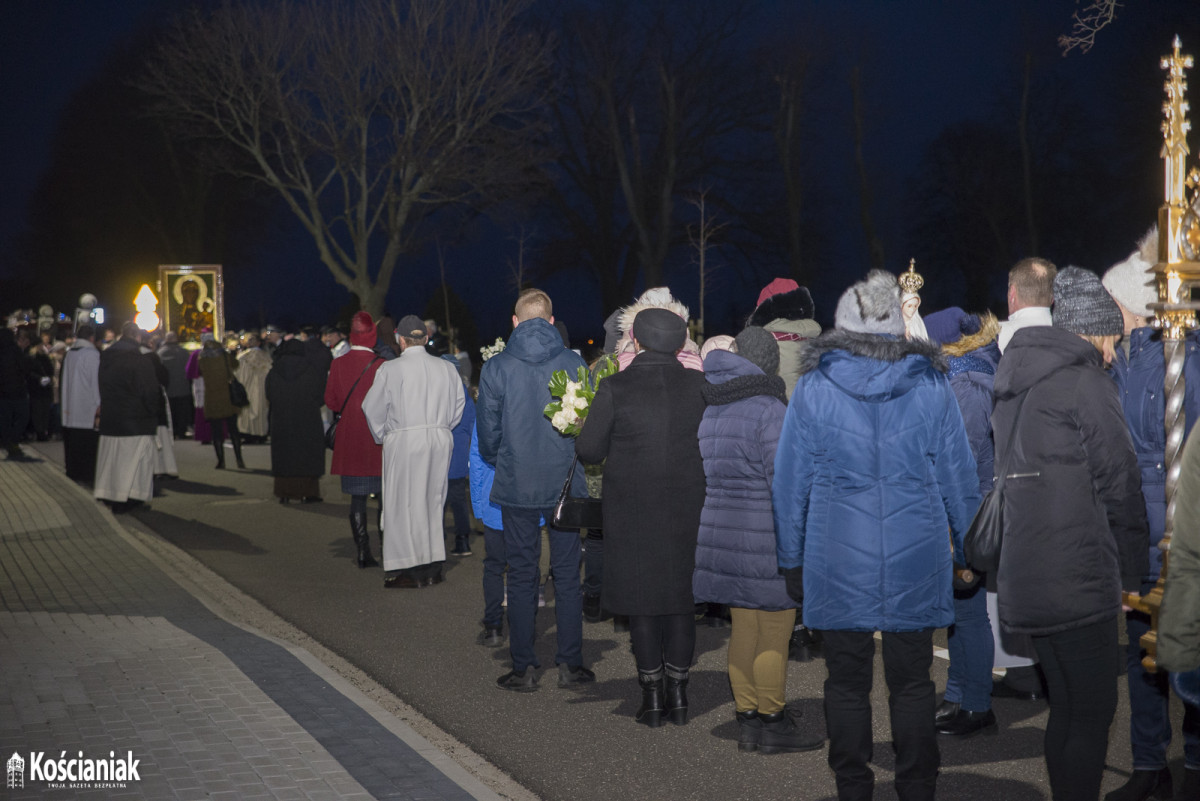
x,y
192,299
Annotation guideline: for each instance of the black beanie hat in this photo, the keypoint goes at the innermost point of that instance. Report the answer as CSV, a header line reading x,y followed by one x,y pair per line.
x,y
659,330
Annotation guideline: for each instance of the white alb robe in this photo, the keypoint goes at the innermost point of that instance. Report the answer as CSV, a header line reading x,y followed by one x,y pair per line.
x,y
125,468
412,405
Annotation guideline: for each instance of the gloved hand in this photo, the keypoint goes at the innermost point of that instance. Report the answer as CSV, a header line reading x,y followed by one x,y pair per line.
x,y
794,577
965,578
44,381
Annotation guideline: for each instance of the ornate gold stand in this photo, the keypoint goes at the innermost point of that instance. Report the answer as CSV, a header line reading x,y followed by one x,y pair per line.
x,y
1176,273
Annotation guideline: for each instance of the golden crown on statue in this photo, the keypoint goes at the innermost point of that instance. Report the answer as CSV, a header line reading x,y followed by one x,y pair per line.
x,y
911,280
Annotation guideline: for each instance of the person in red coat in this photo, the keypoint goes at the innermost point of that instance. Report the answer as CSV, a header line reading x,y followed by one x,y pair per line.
x,y
357,458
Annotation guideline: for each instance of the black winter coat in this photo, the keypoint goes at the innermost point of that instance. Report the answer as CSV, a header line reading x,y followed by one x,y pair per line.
x,y
1074,519
129,391
295,392
14,367
645,420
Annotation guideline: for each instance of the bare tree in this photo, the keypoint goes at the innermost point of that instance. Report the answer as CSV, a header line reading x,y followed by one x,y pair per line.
x,y
874,244
366,117
792,80
652,92
700,236
1088,22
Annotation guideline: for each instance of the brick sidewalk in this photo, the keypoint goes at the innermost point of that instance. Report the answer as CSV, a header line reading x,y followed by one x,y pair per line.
x,y
103,652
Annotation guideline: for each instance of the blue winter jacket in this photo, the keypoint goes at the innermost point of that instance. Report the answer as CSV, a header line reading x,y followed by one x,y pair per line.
x,y
461,433
735,551
874,483
530,456
480,482
972,377
1139,378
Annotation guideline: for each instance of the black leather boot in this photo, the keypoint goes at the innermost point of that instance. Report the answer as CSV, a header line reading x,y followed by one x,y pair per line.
x,y
781,735
749,730
1142,785
676,689
362,543
651,712
219,447
236,438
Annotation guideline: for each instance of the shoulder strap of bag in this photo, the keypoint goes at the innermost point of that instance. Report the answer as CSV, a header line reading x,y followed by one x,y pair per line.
x,y
566,488
355,385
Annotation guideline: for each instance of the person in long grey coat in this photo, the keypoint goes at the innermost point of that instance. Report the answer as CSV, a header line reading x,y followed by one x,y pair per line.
x,y
644,420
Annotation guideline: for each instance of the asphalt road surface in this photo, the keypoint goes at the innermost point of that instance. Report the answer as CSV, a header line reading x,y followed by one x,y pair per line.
x,y
566,745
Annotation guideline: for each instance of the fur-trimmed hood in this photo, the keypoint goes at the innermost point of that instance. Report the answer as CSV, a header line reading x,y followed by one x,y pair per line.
x,y
794,305
871,367
658,298
988,332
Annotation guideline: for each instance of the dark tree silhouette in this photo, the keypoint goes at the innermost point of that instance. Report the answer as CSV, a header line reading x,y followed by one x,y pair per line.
x,y
366,118
653,95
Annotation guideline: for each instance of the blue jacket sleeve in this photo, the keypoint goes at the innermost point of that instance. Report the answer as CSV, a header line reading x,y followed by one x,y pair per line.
x,y
792,485
480,481
487,410
975,403
955,471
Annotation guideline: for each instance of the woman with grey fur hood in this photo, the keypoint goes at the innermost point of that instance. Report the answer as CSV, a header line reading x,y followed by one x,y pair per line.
x,y
872,469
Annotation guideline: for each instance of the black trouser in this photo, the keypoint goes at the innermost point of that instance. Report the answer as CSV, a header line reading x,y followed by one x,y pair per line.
x,y
850,660
1081,667
183,410
659,639
79,453
218,437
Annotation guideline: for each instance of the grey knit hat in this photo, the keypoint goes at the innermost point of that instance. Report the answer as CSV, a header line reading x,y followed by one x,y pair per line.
x,y
758,346
1083,306
872,306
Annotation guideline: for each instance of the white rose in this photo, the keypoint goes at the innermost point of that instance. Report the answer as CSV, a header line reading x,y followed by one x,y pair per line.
x,y
580,403
563,419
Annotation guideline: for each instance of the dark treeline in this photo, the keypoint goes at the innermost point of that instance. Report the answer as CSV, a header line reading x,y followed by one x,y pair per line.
x,y
390,161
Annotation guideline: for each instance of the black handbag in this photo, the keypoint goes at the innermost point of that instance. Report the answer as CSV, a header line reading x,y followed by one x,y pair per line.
x,y
237,393
331,432
576,513
981,543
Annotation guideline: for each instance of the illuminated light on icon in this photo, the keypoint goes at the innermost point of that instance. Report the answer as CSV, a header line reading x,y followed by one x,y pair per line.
x,y
145,303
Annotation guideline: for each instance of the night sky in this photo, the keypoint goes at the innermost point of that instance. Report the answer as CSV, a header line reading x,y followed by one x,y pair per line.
x,y
926,65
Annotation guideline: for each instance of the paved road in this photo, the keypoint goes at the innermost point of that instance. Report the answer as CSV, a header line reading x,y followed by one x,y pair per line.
x,y
574,745
114,646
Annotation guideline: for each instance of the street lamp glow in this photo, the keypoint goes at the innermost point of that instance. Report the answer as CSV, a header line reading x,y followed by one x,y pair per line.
x,y
145,303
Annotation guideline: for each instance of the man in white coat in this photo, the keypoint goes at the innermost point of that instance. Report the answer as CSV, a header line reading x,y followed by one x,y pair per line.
x,y
80,397
411,408
1030,295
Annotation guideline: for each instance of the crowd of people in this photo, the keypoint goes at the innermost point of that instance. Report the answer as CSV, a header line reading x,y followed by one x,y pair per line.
x,y
811,487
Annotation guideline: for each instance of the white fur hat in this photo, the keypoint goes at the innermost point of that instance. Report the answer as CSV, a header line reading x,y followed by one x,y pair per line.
x,y
872,306
1129,282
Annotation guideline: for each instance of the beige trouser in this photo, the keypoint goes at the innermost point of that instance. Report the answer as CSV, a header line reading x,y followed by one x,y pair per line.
x,y
758,654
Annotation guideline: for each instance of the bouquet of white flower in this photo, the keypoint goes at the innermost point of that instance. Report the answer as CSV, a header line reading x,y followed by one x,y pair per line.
x,y
575,397
488,351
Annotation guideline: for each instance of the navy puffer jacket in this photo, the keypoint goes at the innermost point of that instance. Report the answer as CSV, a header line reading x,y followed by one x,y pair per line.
x,y
530,456
874,479
735,554
1139,378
